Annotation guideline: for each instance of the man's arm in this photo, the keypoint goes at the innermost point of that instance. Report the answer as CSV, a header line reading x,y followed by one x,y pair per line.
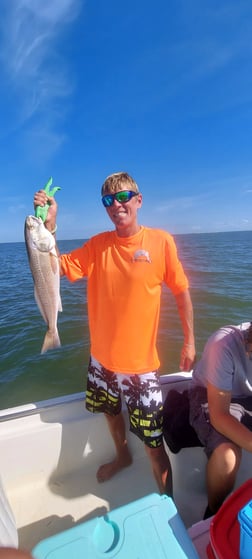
x,y
185,310
222,420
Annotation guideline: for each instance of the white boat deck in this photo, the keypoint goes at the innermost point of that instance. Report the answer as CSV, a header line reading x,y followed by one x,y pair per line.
x,y
42,509
74,498
48,467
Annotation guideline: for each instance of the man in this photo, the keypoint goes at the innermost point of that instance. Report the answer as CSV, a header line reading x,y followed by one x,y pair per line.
x,y
125,269
220,400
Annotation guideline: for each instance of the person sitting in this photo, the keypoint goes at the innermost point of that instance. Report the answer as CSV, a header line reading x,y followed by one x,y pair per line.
x,y
220,402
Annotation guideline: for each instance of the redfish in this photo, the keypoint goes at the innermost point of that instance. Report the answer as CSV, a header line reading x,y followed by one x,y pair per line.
x,y
45,269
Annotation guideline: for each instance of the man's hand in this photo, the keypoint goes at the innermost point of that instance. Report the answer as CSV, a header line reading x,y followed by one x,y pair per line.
x,y
41,199
188,357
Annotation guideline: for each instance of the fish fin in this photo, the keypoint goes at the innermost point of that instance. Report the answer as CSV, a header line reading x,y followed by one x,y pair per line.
x,y
54,262
51,341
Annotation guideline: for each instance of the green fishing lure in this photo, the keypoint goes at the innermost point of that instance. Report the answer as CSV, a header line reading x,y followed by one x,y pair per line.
x,y
41,211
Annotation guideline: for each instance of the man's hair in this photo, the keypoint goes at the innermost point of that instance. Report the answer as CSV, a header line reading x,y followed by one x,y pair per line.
x,y
118,181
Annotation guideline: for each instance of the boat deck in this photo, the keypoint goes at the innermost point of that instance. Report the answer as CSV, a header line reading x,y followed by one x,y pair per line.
x,y
73,499
43,508
49,458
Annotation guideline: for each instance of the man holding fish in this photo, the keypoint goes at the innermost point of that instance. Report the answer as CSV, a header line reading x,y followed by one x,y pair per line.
x,y
125,269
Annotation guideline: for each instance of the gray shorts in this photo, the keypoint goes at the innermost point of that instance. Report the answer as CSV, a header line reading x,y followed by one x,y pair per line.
x,y
200,420
142,395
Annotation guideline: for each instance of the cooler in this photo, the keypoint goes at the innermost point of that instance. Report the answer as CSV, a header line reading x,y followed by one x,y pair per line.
x,y
225,527
144,529
245,519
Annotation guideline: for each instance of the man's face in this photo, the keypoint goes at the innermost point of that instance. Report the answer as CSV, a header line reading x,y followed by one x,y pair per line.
x,y
124,215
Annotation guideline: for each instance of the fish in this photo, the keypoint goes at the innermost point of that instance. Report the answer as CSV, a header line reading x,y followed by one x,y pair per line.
x,y
45,268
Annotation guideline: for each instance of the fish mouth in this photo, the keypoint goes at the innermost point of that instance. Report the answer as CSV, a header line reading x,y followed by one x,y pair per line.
x,y
32,221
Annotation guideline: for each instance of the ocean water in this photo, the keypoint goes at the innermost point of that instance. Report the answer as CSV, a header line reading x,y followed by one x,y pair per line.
x,y
219,268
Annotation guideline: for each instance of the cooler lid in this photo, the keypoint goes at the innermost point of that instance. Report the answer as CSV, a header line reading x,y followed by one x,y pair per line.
x,y
245,515
225,527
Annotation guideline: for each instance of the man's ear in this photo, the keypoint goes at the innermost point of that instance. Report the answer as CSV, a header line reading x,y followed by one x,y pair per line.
x,y
139,200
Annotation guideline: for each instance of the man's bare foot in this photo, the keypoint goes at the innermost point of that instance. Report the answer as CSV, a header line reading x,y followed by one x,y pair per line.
x,y
106,471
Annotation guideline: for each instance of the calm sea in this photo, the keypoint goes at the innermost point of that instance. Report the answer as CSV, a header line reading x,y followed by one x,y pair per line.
x,y
219,267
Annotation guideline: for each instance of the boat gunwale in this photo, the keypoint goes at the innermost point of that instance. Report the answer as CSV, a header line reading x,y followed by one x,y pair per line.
x,y
25,410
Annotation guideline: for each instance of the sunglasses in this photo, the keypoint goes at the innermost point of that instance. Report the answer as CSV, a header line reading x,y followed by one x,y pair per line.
x,y
122,197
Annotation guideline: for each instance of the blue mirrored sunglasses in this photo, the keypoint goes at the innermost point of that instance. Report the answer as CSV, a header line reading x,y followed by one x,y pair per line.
x,y
122,197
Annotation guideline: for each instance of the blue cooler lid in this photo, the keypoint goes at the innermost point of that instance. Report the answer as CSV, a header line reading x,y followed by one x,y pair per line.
x,y
245,515
144,529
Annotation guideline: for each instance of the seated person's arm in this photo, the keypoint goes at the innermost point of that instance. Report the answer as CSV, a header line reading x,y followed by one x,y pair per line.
x,y
222,420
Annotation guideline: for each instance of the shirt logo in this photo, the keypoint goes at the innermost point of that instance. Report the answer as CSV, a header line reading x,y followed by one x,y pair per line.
x,y
141,256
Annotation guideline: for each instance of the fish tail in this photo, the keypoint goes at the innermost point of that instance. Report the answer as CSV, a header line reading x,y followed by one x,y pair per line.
x,y
51,341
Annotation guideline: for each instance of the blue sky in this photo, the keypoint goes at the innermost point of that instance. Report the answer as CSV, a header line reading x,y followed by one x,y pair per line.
x,y
162,90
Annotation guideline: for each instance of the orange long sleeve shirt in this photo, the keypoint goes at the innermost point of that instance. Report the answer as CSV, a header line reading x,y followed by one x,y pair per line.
x,y
125,275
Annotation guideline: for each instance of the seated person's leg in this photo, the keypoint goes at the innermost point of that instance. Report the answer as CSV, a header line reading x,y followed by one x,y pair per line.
x,y
222,468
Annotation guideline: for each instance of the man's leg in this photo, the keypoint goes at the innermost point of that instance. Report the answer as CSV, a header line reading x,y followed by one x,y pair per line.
x,y
102,382
221,471
143,396
123,457
161,468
